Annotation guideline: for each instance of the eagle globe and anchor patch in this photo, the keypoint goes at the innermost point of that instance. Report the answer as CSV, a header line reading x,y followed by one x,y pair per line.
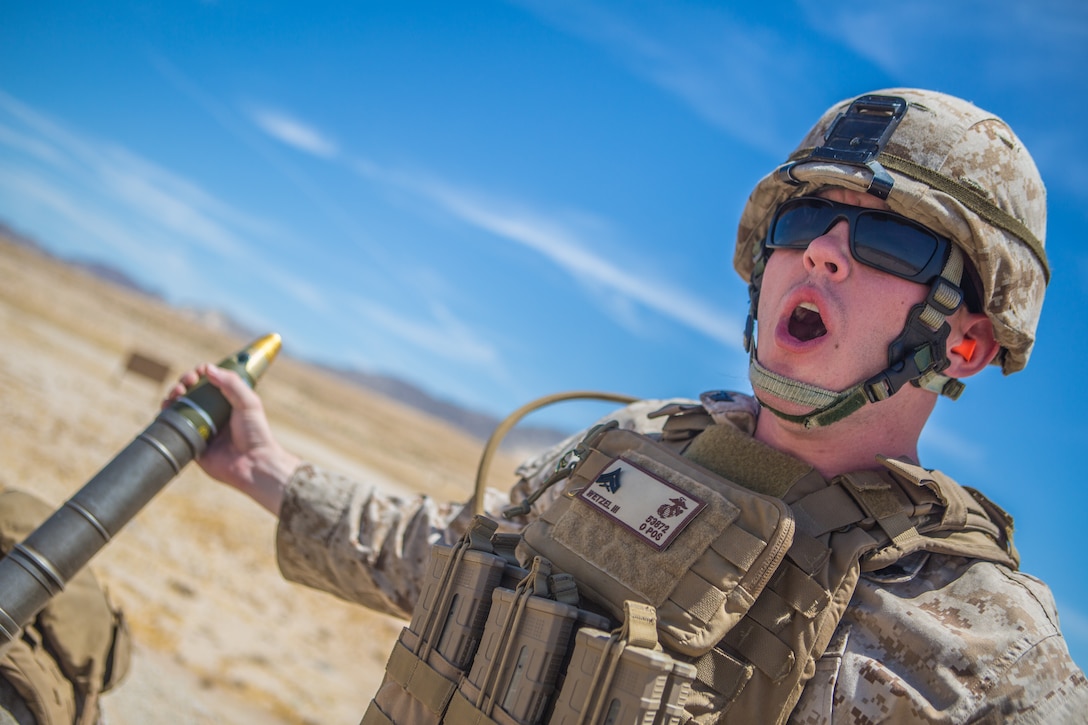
x,y
650,507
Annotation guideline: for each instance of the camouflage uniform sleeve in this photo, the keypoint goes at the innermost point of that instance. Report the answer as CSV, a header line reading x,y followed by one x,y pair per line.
x,y
962,642
370,547
354,541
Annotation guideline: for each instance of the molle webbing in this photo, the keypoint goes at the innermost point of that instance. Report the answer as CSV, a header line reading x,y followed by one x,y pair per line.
x,y
758,669
523,642
749,591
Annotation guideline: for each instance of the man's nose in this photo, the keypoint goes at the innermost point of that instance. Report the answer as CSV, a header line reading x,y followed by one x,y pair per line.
x,y
829,253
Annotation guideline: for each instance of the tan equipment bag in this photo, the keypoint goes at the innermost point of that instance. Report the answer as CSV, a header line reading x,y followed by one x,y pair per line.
x,y
76,648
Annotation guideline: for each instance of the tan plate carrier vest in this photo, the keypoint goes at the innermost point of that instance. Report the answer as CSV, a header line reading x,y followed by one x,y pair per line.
x,y
76,648
745,584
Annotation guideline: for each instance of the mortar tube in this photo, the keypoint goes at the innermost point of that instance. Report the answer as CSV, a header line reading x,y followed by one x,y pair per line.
x,y
38,568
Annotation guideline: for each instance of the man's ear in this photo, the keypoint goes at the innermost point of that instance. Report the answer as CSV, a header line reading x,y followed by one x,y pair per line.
x,y
971,344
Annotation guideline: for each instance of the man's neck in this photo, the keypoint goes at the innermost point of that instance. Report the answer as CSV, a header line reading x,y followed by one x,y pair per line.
x,y
890,428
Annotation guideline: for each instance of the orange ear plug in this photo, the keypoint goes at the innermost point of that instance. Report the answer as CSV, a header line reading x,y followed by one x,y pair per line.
x,y
966,348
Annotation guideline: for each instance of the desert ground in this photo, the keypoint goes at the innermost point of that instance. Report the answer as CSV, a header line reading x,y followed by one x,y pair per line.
x,y
220,636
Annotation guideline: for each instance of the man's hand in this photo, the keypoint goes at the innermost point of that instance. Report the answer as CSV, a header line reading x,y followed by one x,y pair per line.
x,y
246,455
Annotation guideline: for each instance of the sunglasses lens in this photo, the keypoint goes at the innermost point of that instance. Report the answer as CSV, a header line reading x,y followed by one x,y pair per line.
x,y
893,244
799,222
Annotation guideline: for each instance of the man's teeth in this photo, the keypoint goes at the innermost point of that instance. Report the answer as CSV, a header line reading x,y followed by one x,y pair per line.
x,y
805,322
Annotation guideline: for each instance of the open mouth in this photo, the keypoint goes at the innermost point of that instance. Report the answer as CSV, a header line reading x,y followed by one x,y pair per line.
x,y
805,323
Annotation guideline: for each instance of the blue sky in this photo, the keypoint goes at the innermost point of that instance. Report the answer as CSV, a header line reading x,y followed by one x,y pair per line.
x,y
499,200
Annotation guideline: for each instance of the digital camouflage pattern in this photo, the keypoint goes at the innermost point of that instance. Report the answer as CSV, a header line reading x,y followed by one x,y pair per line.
x,y
961,641
962,172
932,639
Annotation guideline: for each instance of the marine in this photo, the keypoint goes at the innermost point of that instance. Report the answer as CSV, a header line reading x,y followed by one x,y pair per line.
x,y
898,251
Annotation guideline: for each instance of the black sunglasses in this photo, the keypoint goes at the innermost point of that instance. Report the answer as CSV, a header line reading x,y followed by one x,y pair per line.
x,y
881,239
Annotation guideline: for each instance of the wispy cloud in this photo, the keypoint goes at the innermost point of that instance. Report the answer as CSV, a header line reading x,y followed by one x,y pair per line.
x,y
33,190
737,73
180,207
1038,41
563,247
296,287
442,335
293,132
129,204
139,211
29,145
112,173
251,124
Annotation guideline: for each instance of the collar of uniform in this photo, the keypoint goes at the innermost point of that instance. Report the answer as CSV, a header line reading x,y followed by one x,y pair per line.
x,y
736,409
735,455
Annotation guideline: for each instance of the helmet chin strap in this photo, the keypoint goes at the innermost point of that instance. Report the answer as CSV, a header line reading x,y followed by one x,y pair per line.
x,y
828,406
917,357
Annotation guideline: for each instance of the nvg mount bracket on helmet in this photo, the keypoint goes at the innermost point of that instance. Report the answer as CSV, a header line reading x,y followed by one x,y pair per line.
x,y
857,137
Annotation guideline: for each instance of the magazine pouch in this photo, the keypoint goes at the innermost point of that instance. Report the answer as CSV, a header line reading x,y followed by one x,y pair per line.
x,y
623,676
525,648
437,647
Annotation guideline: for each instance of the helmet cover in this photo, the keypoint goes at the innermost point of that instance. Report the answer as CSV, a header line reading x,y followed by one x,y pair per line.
x,y
958,170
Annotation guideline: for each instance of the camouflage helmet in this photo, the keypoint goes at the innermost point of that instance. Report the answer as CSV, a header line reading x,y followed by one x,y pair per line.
x,y
960,171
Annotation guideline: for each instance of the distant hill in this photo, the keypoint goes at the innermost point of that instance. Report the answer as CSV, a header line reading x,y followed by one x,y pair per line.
x,y
97,268
112,275
475,423
479,425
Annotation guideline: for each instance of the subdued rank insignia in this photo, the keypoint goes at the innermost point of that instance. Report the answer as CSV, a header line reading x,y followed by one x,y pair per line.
x,y
650,507
609,481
